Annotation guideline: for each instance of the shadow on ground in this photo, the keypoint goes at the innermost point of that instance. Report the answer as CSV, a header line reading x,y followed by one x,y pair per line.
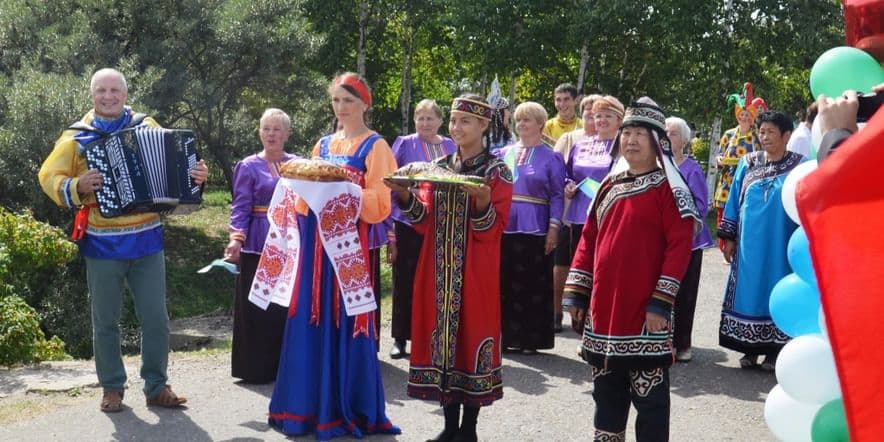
x,y
707,374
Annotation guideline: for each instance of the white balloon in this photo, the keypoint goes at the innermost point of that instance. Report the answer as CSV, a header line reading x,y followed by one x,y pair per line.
x,y
788,192
816,134
806,370
788,419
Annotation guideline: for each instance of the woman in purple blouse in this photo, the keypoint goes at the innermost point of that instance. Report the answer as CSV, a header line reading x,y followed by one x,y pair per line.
x,y
403,250
686,300
526,263
589,158
257,333
564,252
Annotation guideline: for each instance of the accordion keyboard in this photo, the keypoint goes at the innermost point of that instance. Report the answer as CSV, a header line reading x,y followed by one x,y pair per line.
x,y
145,170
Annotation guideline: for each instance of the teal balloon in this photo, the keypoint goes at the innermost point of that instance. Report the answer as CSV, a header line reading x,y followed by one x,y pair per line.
x,y
795,306
844,68
830,423
798,253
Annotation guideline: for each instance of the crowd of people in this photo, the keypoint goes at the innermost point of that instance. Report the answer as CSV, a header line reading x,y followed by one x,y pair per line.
x,y
478,270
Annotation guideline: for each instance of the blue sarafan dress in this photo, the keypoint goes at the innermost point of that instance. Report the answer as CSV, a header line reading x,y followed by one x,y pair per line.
x,y
329,379
754,217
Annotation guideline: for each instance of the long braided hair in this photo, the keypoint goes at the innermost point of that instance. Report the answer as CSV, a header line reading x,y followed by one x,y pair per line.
x,y
500,135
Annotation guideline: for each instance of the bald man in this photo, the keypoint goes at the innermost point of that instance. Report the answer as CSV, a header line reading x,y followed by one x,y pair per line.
x,y
125,251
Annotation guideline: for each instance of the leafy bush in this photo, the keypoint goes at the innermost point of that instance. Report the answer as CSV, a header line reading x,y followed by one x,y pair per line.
x,y
33,255
700,151
37,107
35,261
21,339
19,331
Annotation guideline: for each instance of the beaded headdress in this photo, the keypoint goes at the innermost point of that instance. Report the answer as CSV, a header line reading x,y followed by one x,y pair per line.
x,y
475,108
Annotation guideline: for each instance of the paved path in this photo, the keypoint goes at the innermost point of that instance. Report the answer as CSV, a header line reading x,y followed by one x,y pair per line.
x,y
546,397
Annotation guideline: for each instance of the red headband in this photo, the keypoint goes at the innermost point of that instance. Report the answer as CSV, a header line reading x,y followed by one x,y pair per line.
x,y
357,84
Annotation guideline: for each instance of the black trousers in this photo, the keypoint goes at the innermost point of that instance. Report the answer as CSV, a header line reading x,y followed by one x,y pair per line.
x,y
686,303
615,390
408,246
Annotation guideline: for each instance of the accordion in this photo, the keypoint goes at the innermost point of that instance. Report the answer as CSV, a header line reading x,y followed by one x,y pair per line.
x,y
145,169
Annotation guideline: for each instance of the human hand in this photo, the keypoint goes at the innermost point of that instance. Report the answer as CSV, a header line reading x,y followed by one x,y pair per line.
x,y
200,172
231,252
835,113
392,252
480,194
552,240
655,323
402,192
570,190
578,318
89,181
730,248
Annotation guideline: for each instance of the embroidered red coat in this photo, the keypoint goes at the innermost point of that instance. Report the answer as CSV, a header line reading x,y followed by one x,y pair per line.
x,y
455,356
633,252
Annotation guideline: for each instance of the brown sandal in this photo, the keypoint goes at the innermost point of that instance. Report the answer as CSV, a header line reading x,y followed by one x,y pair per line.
x,y
112,401
167,399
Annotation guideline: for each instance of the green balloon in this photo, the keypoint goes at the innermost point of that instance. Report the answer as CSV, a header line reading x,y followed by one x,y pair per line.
x,y
830,424
844,68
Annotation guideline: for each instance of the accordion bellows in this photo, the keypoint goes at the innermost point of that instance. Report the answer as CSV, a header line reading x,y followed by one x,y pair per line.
x,y
313,170
145,169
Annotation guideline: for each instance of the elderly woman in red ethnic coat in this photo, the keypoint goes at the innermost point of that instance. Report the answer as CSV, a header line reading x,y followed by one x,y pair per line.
x,y
633,252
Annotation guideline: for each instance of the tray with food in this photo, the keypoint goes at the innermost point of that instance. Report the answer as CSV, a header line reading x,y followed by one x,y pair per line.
x,y
421,172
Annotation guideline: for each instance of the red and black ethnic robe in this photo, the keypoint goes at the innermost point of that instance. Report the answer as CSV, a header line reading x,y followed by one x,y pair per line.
x,y
455,352
634,250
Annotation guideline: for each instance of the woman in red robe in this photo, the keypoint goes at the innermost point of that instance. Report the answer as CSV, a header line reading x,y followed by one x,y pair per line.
x,y
634,249
455,357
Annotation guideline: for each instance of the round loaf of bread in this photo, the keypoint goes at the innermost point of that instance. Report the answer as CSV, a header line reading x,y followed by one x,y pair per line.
x,y
313,170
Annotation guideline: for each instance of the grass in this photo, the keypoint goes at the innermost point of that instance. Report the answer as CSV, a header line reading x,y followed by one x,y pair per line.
x,y
194,240
37,404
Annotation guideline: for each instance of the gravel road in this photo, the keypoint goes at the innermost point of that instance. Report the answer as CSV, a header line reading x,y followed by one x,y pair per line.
x,y
547,397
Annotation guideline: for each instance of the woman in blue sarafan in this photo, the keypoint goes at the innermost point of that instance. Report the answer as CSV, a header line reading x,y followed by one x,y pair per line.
x,y
329,379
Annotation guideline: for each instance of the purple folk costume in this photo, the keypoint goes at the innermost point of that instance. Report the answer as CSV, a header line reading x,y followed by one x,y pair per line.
x,y
589,157
257,334
409,149
686,300
526,272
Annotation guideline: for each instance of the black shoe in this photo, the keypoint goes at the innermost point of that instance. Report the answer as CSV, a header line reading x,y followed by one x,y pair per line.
x,y
445,436
463,436
557,325
398,350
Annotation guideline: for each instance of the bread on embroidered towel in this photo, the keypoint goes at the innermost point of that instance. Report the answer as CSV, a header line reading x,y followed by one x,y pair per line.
x,y
337,205
313,170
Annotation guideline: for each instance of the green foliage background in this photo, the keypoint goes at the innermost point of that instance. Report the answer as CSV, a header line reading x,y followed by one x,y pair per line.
x,y
33,257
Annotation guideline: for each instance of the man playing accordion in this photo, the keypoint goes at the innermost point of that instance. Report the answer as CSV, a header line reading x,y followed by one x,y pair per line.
x,y
122,251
